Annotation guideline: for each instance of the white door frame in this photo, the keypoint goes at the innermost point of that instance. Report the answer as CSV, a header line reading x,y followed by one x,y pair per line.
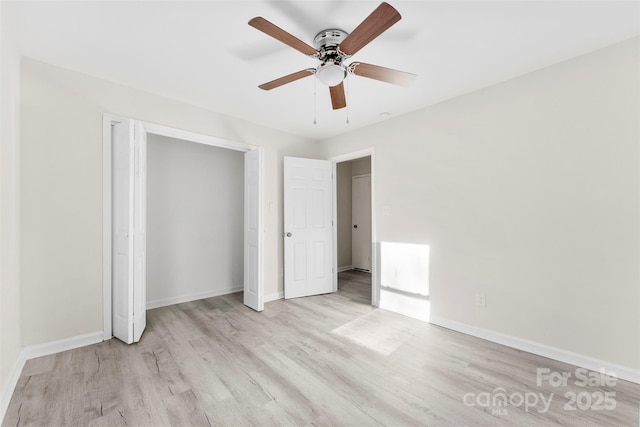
x,y
354,155
155,129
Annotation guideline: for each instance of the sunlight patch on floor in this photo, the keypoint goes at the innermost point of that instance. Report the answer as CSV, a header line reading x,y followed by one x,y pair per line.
x,y
378,331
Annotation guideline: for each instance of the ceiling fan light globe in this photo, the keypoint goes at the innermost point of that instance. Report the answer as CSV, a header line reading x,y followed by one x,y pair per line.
x,y
331,74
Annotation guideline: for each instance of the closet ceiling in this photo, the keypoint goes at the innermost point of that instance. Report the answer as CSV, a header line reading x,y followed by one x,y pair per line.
x,y
204,53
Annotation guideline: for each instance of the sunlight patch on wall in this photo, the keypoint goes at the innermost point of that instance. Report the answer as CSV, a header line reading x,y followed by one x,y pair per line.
x,y
404,279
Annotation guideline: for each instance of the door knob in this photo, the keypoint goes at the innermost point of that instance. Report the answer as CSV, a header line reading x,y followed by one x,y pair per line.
x,y
355,226
288,234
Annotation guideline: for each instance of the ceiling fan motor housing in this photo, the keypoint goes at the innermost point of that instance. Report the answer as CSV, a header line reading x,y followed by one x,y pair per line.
x,y
328,41
331,71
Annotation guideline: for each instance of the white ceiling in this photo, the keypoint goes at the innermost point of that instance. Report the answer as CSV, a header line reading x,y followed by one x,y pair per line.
x,y
205,54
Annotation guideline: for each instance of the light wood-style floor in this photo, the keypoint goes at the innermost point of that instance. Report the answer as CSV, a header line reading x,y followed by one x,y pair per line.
x,y
325,360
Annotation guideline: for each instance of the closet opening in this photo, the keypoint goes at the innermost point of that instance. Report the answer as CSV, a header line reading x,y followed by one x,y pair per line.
x,y
355,226
182,210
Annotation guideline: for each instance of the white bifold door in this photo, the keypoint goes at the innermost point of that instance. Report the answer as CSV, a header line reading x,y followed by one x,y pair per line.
x,y
129,150
252,231
308,227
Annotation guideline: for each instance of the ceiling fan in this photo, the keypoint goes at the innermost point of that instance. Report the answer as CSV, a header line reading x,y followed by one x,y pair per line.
x,y
333,47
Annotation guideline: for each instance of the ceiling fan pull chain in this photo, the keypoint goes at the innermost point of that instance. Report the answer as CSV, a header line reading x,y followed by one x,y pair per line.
x,y
315,104
348,103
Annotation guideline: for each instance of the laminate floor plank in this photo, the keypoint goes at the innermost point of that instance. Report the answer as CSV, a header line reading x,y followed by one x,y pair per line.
x,y
328,360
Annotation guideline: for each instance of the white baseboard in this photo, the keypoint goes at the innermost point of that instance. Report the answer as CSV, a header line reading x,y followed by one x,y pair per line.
x,y
52,347
345,268
192,297
591,363
11,385
273,297
405,304
33,351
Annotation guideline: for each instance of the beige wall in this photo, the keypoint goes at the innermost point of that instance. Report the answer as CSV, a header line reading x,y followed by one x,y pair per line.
x,y
528,192
10,339
61,190
361,166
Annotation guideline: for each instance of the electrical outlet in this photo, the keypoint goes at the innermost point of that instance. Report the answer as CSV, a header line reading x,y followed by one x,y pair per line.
x,y
481,300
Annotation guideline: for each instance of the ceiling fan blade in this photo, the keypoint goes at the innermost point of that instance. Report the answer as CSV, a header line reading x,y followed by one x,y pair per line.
x,y
383,74
375,24
338,100
287,79
278,33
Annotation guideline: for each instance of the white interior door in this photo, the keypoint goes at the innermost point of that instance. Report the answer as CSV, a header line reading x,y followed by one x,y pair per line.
x,y
361,222
308,227
129,231
252,232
